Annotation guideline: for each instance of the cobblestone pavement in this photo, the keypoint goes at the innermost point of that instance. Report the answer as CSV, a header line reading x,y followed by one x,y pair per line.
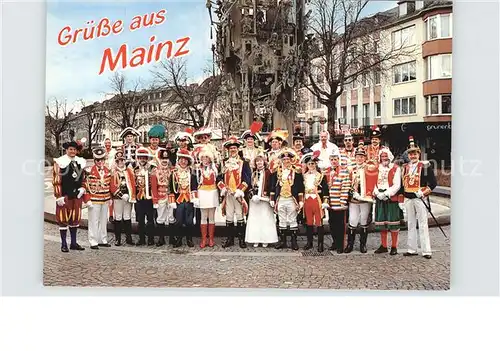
x,y
128,266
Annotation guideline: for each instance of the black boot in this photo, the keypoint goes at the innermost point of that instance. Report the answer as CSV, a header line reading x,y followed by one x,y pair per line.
x,y
74,245
64,243
151,231
362,240
178,235
118,232
295,246
142,234
282,244
189,235
334,240
309,233
127,226
241,234
321,238
351,236
172,228
160,229
230,235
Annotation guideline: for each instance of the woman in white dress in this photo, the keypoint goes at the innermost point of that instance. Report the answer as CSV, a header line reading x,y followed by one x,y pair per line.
x,y
261,225
208,196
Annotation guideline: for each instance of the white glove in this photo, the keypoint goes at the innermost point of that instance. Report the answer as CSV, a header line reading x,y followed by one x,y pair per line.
x,y
125,197
89,204
376,192
356,196
81,191
419,194
173,205
380,196
264,199
155,206
223,192
60,201
196,202
238,193
325,206
272,203
386,194
255,198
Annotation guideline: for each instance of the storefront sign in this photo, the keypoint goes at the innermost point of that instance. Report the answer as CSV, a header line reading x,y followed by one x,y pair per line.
x,y
438,126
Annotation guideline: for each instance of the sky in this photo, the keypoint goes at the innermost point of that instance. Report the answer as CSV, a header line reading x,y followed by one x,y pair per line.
x,y
72,70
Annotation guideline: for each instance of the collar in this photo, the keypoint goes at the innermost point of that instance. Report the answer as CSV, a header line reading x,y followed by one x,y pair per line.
x,y
64,161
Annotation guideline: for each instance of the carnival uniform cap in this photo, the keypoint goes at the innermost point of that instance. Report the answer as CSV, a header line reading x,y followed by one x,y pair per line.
x,y
202,131
375,132
99,153
232,141
311,156
253,132
127,131
71,143
183,153
205,151
143,152
298,134
412,146
385,150
335,153
360,150
185,135
287,152
157,131
278,134
119,155
162,154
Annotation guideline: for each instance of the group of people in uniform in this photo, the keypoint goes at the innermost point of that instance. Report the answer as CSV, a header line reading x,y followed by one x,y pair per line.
x,y
264,195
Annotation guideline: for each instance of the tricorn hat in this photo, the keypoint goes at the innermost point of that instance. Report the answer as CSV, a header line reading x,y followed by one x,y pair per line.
x,y
287,152
253,132
185,154
279,134
202,131
311,156
129,130
375,132
232,141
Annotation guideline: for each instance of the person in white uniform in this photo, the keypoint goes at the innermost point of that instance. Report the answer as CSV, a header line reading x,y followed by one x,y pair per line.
x,y
326,148
261,228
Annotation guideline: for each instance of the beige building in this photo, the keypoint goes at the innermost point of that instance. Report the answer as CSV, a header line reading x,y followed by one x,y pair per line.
x,y
413,92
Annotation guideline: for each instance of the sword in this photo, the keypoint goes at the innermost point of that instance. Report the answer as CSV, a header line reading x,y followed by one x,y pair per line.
x,y
432,215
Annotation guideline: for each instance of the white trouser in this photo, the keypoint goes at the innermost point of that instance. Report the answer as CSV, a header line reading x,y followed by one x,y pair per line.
x,y
122,210
416,212
287,213
165,214
207,214
233,207
359,213
98,221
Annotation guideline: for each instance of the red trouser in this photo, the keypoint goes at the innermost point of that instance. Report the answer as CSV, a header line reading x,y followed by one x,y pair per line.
x,y
312,211
69,214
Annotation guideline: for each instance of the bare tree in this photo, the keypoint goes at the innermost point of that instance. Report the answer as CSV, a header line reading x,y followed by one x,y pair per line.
x,y
193,102
58,119
344,47
92,119
226,116
128,98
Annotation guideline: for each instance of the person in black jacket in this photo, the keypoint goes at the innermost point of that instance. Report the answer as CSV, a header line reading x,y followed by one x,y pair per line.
x,y
418,182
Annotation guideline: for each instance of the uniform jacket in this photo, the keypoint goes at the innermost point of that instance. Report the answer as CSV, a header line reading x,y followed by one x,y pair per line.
x,y
146,183
123,182
97,186
392,176
279,185
236,174
257,186
319,188
163,174
339,184
421,178
68,176
363,181
183,186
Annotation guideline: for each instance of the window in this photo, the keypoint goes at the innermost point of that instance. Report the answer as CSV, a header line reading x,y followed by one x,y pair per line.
x,y
403,37
439,66
439,26
364,80
354,112
438,105
378,109
404,106
405,72
403,9
366,110
343,113
376,77
316,103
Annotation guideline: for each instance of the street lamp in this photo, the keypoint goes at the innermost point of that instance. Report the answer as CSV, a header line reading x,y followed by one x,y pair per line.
x,y
310,121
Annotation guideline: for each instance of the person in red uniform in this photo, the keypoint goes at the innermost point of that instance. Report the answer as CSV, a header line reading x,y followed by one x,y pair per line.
x,y
315,199
163,172
67,179
183,195
233,183
373,149
208,196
